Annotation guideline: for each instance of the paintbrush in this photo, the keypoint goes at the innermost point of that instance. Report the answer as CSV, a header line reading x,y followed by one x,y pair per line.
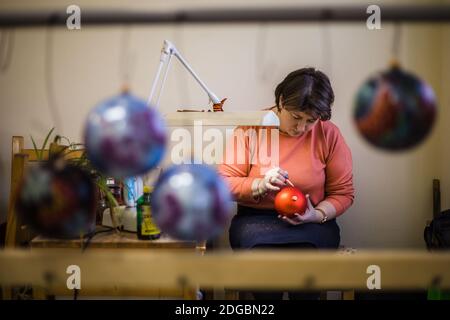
x,y
290,183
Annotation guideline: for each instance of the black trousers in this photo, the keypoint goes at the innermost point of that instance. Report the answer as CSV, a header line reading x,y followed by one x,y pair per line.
x,y
293,295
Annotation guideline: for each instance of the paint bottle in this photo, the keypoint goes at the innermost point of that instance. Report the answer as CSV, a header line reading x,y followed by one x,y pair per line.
x,y
146,226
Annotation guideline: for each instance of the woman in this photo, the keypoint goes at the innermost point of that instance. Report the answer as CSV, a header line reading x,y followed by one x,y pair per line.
x,y
313,156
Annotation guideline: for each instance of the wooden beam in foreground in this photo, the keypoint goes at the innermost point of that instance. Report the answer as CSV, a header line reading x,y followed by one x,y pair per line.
x,y
140,269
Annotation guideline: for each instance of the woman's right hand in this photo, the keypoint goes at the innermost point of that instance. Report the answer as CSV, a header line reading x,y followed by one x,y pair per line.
x,y
272,181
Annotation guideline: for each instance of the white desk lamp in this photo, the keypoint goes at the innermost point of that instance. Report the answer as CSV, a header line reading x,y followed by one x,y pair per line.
x,y
249,118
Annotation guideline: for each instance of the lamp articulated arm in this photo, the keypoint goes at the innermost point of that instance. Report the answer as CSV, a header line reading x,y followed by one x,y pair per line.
x,y
167,52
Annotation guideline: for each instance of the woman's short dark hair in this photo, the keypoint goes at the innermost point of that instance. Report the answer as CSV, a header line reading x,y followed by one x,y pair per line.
x,y
307,90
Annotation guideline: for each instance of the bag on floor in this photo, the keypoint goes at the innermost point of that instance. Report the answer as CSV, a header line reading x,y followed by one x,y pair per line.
x,y
437,234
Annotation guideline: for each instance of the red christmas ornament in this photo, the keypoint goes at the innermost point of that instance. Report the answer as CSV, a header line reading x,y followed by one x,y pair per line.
x,y
289,201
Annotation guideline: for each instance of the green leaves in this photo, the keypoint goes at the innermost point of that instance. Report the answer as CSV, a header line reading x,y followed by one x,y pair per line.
x,y
40,153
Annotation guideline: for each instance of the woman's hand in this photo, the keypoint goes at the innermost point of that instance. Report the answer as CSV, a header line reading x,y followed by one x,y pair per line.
x,y
273,180
310,215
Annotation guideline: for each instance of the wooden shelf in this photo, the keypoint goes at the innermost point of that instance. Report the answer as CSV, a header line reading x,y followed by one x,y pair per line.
x,y
113,239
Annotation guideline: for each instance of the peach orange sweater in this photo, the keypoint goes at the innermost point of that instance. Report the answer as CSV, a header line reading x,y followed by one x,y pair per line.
x,y
319,163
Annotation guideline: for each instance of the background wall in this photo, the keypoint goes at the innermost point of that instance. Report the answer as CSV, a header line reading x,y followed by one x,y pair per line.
x,y
244,63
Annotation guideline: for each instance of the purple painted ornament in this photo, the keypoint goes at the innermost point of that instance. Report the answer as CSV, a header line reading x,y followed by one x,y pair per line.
x,y
191,202
124,137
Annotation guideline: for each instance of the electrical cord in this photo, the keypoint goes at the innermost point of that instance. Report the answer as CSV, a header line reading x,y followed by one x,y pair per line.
x,y
84,246
91,235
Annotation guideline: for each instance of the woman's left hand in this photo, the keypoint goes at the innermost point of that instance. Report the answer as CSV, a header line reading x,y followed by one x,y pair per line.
x,y
310,215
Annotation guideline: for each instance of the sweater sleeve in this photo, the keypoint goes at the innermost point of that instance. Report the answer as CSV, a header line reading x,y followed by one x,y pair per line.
x,y
237,164
339,190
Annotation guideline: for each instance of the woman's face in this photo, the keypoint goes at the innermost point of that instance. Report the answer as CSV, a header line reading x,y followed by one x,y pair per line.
x,y
295,123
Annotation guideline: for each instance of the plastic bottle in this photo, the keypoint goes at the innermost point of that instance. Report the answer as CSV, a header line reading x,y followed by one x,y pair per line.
x,y
132,190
